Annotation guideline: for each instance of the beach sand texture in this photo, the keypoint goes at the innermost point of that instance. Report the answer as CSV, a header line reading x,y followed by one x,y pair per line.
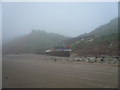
x,y
40,71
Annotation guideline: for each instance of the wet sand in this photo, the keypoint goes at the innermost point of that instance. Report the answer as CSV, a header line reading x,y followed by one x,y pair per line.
x,y
40,71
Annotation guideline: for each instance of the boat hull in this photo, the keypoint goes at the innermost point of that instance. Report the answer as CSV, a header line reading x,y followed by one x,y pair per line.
x,y
59,53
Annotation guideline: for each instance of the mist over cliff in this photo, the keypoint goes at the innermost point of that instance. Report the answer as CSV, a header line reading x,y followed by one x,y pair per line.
x,y
101,41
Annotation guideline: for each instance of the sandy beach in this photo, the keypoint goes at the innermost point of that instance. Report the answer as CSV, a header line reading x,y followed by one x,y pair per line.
x,y
40,71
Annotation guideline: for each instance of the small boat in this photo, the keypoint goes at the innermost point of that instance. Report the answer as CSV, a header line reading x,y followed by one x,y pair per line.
x,y
59,51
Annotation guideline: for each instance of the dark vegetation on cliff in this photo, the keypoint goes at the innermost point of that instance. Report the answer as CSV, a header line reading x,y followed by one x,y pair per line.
x,y
101,41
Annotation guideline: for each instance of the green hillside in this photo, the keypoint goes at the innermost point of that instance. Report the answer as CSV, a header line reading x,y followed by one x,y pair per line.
x,y
101,41
103,45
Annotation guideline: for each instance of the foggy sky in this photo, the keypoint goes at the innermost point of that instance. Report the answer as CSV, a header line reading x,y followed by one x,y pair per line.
x,y
68,18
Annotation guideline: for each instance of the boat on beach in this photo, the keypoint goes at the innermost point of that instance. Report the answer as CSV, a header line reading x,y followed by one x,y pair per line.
x,y
59,51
